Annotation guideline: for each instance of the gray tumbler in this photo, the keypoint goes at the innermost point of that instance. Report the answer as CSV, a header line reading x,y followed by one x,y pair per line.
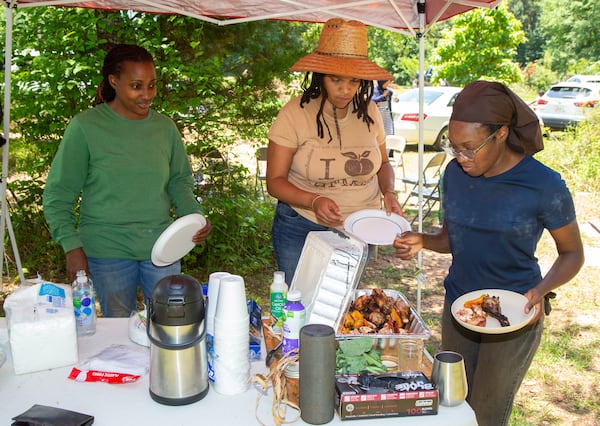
x,y
317,373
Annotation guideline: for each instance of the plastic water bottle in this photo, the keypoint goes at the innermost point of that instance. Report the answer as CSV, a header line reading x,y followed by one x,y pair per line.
x,y
277,296
294,316
83,303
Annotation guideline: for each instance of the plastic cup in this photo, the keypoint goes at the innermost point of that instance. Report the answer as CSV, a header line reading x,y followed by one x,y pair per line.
x,y
214,280
231,376
231,329
239,344
231,302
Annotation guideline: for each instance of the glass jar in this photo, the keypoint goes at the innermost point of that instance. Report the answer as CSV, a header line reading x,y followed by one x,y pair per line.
x,y
292,382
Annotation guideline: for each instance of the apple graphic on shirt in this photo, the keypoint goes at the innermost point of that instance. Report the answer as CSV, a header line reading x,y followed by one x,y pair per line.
x,y
358,164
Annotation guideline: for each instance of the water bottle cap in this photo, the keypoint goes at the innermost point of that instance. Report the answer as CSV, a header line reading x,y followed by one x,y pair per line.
x,y
294,295
81,277
279,276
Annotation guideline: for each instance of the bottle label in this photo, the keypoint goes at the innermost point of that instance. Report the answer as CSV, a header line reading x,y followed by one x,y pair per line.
x,y
277,302
294,318
83,301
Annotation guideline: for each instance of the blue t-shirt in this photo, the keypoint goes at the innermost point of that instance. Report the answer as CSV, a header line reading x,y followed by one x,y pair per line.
x,y
494,225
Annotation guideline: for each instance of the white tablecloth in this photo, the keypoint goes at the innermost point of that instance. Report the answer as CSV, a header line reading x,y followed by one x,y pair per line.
x,y
130,404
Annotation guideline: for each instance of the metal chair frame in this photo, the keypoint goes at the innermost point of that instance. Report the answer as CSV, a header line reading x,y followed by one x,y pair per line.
x,y
431,177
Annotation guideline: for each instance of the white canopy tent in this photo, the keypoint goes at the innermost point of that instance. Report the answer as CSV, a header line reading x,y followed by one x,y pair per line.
x,y
413,17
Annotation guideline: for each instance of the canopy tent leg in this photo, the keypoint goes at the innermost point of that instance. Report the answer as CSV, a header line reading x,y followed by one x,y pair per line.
x,y
421,145
5,222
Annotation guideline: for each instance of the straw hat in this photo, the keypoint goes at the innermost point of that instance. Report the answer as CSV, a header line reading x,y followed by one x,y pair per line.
x,y
342,50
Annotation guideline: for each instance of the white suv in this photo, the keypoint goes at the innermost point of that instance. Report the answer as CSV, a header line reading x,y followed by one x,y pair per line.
x,y
592,79
566,104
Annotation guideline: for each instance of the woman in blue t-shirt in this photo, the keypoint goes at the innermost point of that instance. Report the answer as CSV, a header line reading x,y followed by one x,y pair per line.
x,y
497,202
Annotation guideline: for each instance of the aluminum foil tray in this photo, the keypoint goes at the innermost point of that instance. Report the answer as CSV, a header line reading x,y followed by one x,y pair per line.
x,y
416,328
328,272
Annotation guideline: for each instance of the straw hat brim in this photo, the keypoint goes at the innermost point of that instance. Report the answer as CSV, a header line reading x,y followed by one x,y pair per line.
x,y
357,67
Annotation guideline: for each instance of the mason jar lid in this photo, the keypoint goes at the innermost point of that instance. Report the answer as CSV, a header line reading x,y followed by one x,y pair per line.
x,y
292,371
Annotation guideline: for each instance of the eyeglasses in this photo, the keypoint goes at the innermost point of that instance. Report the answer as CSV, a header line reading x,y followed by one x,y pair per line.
x,y
465,154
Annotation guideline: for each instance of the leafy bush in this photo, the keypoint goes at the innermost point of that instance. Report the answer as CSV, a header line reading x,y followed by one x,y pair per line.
x,y
240,241
576,154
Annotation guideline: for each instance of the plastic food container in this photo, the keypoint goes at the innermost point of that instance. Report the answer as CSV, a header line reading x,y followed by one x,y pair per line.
x,y
328,272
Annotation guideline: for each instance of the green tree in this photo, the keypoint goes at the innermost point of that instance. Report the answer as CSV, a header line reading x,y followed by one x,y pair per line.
x,y
481,44
529,12
220,85
397,53
573,32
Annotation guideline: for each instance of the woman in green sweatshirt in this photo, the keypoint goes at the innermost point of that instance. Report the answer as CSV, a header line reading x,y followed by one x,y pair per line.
x,y
127,165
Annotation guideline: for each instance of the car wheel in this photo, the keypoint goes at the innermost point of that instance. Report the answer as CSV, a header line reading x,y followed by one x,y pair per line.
x,y
441,139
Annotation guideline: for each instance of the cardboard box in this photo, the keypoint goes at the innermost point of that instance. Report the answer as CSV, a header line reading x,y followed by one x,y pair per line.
x,y
255,314
385,395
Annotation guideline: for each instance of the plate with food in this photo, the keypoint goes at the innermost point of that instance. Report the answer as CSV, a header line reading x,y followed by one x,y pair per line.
x,y
492,311
374,226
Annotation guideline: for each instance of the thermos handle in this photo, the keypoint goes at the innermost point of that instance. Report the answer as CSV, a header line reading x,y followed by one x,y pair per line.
x,y
168,345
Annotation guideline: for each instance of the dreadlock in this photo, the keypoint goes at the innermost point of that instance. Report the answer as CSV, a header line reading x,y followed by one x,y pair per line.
x,y
112,65
314,87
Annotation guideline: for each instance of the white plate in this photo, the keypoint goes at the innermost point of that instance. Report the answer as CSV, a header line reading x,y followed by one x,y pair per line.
x,y
511,303
375,226
176,241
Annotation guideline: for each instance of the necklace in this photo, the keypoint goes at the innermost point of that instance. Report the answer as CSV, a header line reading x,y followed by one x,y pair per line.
x,y
337,125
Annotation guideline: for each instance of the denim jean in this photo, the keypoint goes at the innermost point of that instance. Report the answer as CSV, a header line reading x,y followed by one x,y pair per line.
x,y
289,232
495,363
116,282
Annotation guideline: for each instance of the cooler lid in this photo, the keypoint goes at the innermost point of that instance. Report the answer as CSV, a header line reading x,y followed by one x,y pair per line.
x,y
329,270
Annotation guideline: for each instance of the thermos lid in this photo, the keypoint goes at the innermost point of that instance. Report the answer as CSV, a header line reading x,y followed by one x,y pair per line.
x,y
177,300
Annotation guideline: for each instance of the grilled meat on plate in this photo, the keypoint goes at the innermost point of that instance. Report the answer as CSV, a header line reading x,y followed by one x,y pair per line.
x,y
491,305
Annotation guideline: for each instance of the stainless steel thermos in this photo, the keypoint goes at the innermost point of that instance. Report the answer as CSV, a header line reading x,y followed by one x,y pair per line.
x,y
177,332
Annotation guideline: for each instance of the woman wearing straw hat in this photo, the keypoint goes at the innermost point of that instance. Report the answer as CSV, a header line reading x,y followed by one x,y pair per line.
x,y
327,156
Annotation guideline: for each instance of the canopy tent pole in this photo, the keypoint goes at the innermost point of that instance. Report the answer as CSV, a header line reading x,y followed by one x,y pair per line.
x,y
421,150
4,215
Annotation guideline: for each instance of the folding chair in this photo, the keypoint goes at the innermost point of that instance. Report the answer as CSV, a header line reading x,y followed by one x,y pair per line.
x,y
396,145
431,196
431,181
261,169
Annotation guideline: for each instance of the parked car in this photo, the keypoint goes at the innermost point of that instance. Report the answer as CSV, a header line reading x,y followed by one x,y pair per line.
x,y
566,104
437,107
580,78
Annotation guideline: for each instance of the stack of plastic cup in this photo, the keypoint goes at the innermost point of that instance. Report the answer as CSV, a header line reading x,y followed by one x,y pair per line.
x,y
214,280
231,338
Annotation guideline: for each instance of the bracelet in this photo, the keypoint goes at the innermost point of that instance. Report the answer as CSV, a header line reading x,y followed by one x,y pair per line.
x,y
391,192
312,205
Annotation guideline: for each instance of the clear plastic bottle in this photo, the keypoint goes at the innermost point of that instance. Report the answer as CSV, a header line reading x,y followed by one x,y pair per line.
x,y
294,316
83,303
277,296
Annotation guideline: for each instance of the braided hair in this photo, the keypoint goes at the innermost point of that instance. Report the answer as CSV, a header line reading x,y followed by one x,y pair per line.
x,y
112,65
315,87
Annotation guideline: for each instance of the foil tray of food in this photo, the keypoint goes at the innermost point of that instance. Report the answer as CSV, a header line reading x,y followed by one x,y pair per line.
x,y
381,313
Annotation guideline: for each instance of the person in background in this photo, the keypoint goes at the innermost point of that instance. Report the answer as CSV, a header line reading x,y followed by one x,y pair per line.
x,y
497,201
127,166
327,156
382,96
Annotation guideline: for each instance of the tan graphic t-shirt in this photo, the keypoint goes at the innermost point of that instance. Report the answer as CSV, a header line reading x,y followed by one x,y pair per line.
x,y
344,171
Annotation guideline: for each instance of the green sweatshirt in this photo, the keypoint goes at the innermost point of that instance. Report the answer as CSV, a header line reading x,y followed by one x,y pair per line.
x,y
128,174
